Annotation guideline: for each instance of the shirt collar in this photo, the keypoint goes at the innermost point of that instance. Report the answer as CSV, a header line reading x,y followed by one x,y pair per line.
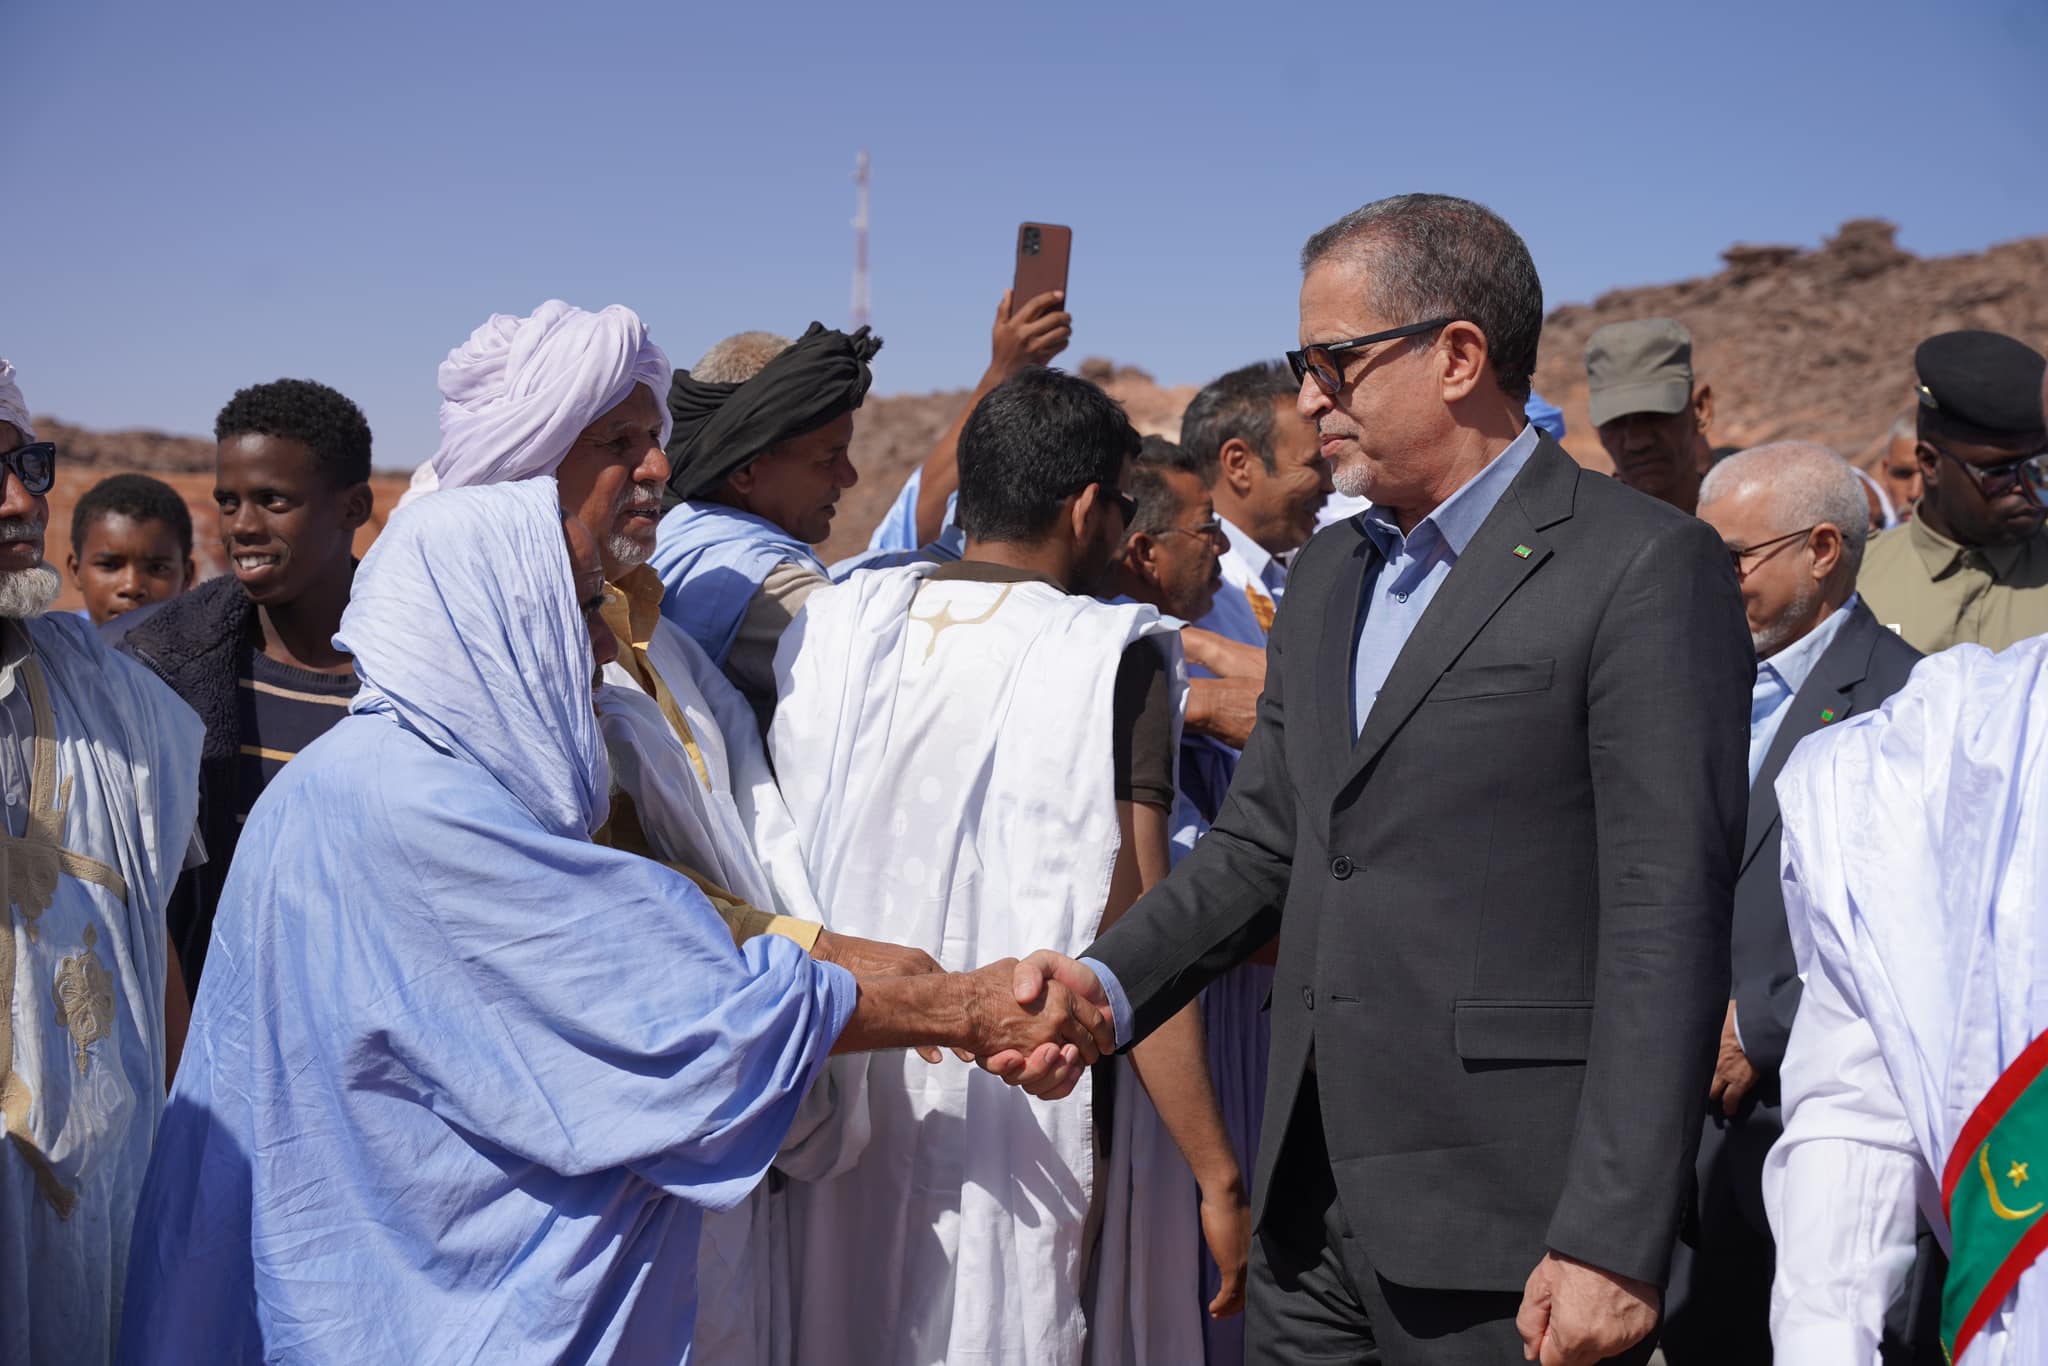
x,y
1458,518
1795,663
1941,557
1256,557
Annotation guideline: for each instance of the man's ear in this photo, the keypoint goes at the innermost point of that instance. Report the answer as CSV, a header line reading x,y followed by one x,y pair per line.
x,y
71,566
357,503
1929,461
1464,351
191,574
1703,405
1082,512
1827,549
1140,552
1235,461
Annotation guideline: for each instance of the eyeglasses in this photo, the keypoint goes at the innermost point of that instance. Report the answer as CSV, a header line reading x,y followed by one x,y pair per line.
x,y
1993,481
1736,557
1212,527
35,465
1320,360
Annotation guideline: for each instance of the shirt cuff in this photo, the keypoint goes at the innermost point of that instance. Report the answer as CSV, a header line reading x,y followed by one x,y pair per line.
x,y
1735,1018
1119,1004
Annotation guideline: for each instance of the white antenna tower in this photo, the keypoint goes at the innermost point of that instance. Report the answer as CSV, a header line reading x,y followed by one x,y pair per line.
x,y
860,240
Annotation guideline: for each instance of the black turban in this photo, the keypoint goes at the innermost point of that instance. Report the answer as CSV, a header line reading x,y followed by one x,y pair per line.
x,y
720,429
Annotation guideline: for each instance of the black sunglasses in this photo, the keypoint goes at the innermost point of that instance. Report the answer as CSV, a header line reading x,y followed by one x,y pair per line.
x,y
1736,557
35,465
1321,360
1126,504
2030,471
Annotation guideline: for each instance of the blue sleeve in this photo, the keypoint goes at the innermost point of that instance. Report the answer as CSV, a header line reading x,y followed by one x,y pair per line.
x,y
1119,1004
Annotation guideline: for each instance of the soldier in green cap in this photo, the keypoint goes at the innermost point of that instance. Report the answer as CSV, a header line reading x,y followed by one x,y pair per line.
x,y
1650,408
1972,565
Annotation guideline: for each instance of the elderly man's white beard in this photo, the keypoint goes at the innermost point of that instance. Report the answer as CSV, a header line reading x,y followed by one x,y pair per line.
x,y
625,552
26,593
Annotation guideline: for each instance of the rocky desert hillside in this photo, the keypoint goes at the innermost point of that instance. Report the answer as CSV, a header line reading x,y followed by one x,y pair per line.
x,y
1816,343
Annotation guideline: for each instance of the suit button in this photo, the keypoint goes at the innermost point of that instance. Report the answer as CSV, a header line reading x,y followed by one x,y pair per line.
x,y
1308,998
1340,867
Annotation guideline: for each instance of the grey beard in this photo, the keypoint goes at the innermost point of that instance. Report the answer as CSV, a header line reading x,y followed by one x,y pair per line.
x,y
1778,634
1350,480
626,552
26,593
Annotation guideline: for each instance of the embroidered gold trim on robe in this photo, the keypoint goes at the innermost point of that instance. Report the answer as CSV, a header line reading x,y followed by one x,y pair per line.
x,y
29,868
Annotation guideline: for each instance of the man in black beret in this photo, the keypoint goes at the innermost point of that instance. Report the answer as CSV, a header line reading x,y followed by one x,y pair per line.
x,y
1972,565
759,465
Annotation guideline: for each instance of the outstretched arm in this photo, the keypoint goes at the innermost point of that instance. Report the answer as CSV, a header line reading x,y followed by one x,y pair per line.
x,y
979,1012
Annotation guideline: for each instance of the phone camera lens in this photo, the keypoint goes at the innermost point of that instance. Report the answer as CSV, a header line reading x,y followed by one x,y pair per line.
x,y
1031,241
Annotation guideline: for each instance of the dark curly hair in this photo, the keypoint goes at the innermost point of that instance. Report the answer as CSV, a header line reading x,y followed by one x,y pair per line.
x,y
137,497
300,410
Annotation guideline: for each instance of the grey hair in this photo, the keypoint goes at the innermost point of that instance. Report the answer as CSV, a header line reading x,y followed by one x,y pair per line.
x,y
1437,256
739,357
1903,429
1808,484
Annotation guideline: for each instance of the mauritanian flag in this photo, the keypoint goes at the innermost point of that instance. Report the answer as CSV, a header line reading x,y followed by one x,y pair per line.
x,y
1995,1189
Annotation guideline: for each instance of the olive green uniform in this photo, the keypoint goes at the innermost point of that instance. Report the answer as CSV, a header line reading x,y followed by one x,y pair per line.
x,y
1937,593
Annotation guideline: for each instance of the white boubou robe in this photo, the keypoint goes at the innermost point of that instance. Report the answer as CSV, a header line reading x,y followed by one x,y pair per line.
x,y
712,805
111,807
946,752
1916,889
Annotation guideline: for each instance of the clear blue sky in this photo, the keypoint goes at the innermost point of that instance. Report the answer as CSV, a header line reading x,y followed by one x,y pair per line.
x,y
201,196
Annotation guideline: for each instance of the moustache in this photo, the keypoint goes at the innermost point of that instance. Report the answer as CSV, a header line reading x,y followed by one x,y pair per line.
x,y
646,498
20,529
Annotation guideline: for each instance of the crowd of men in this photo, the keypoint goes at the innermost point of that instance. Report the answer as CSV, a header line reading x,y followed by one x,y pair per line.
x,y
1349,884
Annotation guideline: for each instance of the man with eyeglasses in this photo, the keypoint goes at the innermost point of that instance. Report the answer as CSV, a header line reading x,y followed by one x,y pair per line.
x,y
1492,808
980,758
1972,565
1794,519
99,765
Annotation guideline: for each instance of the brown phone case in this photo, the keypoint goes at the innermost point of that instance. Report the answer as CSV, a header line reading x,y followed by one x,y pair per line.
x,y
1042,252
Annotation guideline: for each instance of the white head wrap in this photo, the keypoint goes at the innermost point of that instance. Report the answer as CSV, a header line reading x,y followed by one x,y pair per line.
x,y
517,393
14,408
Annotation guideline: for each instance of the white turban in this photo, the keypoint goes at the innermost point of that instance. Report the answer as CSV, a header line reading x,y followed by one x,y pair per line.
x,y
14,408
515,395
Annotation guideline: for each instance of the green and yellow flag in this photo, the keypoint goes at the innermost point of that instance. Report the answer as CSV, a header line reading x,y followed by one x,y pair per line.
x,y
1994,1200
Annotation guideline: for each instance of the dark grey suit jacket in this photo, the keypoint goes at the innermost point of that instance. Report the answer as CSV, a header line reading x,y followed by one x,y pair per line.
x,y
1862,666
1504,910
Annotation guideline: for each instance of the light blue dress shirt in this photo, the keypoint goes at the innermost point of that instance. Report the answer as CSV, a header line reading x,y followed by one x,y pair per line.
x,y
1415,567
1779,679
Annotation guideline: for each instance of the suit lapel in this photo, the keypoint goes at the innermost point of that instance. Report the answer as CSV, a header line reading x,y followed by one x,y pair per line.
x,y
1485,576
1826,697
1340,640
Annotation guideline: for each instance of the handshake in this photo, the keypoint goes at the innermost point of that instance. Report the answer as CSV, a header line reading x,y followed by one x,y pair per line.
x,y
1035,1022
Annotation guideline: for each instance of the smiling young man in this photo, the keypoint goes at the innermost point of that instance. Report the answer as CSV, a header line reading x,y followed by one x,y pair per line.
x,y
1972,565
253,652
760,465
131,545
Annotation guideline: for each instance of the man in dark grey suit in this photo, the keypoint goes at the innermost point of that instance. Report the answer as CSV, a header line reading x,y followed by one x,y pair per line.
x,y
1492,805
1795,520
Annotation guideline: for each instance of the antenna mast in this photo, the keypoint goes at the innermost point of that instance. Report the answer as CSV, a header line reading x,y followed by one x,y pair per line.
x,y
860,240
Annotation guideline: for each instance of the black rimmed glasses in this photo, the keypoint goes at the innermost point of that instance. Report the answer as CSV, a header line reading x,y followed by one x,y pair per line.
x,y
1320,360
1995,481
1739,558
1212,527
35,465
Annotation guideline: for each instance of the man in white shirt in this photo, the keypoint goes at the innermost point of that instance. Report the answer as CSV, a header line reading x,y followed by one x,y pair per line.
x,y
1267,478
1794,520
1916,857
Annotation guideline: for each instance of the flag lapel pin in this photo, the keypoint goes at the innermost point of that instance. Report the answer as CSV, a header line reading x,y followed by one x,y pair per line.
x,y
1523,552
1827,714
